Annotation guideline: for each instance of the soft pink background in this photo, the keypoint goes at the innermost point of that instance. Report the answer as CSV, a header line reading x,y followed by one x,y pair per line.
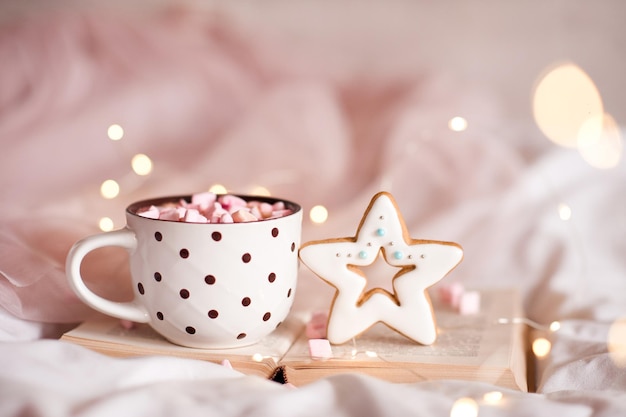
x,y
323,104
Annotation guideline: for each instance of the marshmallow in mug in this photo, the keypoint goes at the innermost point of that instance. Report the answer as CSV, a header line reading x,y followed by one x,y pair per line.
x,y
208,207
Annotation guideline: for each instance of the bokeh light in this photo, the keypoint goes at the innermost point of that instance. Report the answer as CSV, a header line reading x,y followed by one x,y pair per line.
x,y
541,347
464,407
109,189
563,100
141,164
260,190
115,132
106,224
218,189
616,342
457,124
601,149
318,214
555,326
565,212
257,357
492,397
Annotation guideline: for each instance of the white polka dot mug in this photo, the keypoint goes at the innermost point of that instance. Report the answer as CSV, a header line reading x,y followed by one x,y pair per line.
x,y
203,285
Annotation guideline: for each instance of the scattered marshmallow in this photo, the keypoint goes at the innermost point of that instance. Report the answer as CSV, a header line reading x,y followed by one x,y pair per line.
x,y
226,363
127,324
320,349
469,303
455,295
451,293
316,327
207,207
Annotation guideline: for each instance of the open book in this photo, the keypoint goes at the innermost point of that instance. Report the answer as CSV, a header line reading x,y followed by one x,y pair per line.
x,y
475,347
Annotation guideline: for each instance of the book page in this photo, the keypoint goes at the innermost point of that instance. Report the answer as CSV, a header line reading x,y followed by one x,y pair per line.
x,y
107,333
469,340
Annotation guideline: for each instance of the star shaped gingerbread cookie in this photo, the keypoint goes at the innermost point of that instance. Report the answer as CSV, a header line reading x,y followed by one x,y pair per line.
x,y
422,263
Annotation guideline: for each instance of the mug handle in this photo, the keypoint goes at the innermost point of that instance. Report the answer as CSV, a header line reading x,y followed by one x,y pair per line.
x,y
124,238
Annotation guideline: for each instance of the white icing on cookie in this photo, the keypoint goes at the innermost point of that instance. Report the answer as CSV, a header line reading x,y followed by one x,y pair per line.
x,y
422,263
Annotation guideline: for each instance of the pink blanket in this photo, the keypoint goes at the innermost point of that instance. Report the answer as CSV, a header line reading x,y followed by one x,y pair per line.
x,y
323,113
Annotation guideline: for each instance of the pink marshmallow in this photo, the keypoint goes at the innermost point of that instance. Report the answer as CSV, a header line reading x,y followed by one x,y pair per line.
x,y
469,303
170,214
151,212
226,363
194,216
256,212
243,216
203,200
280,213
266,210
226,218
316,327
231,202
127,324
208,208
451,293
320,349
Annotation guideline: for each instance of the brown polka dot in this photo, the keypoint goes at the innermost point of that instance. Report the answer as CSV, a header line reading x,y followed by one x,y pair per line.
x,y
190,330
241,336
184,253
275,231
271,277
158,236
209,279
184,293
267,316
246,258
213,314
159,315
246,301
216,236
289,293
293,246
157,276
141,289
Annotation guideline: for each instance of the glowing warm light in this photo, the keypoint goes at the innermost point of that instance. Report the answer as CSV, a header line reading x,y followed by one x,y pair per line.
x,y
541,347
563,100
457,124
260,190
555,326
141,164
464,407
492,397
565,212
218,189
257,357
106,224
600,149
318,214
115,132
109,189
616,342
